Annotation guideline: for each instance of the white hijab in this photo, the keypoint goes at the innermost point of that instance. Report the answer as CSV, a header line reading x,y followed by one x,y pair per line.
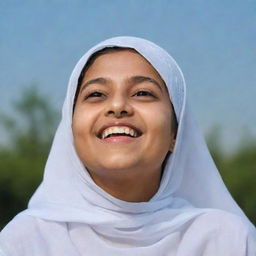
x,y
191,214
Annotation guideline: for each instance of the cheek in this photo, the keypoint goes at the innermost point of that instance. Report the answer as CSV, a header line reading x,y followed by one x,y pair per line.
x,y
158,120
82,121
82,126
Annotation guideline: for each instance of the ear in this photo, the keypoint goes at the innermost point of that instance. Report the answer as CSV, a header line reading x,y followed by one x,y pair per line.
x,y
172,144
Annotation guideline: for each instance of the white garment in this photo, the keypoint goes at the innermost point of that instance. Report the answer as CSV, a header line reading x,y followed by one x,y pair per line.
x,y
192,213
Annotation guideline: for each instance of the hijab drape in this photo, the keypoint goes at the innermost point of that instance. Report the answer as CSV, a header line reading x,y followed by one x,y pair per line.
x,y
192,212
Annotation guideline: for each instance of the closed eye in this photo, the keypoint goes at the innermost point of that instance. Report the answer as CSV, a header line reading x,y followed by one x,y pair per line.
x,y
143,93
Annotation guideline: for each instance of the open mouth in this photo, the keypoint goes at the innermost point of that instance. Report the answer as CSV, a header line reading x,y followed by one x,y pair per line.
x,y
117,131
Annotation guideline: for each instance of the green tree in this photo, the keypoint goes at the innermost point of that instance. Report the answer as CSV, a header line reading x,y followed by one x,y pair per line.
x,y
23,156
238,170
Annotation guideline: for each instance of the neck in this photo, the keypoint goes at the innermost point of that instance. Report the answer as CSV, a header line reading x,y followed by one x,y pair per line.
x,y
130,188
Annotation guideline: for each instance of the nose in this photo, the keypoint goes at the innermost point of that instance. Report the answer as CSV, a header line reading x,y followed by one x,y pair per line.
x,y
118,106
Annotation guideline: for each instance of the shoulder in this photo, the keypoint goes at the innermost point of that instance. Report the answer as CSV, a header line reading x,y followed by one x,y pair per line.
x,y
221,222
221,219
25,232
221,232
20,228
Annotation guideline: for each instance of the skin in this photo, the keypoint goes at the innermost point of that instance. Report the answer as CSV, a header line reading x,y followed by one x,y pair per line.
x,y
130,171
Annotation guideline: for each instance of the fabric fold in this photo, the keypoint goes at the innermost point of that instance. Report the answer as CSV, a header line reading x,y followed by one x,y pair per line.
x,y
191,187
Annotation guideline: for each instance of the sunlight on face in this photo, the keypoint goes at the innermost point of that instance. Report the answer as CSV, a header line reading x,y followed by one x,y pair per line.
x,y
122,122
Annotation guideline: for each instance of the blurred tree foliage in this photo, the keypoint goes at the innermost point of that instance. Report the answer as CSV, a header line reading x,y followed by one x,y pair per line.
x,y
22,158
238,170
31,131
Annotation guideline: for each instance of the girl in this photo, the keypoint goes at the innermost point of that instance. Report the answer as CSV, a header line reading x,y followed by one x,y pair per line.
x,y
129,172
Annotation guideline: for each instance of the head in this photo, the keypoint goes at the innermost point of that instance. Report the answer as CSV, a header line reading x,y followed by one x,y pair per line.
x,y
119,91
121,86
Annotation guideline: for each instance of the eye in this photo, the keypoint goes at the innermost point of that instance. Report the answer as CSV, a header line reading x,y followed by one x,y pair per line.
x,y
94,95
144,93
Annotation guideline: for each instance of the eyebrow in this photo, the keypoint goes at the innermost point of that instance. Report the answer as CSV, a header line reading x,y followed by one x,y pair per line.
x,y
99,80
131,80
141,79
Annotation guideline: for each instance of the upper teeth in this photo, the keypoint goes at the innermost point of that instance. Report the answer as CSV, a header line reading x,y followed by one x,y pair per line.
x,y
125,129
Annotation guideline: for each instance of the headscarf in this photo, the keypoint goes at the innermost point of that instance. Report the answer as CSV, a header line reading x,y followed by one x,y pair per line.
x,y
190,189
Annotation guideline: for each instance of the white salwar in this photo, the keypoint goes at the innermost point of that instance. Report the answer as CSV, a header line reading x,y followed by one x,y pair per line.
x,y
191,214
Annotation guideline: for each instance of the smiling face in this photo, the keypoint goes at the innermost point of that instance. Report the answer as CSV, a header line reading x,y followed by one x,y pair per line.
x,y
123,118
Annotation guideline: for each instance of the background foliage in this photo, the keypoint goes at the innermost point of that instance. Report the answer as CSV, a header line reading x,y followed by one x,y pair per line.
x,y
23,154
29,135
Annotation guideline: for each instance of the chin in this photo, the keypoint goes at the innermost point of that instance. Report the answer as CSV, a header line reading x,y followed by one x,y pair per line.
x,y
118,163
119,166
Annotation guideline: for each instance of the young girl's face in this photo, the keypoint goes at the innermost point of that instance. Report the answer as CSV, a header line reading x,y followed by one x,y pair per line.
x,y
123,118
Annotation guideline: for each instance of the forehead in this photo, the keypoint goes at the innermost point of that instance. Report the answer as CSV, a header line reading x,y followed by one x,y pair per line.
x,y
122,61
111,61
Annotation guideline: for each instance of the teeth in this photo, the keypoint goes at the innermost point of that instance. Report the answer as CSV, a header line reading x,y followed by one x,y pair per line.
x,y
115,130
118,129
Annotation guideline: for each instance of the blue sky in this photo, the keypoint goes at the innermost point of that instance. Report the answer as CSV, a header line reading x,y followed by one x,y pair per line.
x,y
214,42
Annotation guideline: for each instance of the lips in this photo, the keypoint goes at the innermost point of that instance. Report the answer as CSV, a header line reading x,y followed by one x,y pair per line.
x,y
118,129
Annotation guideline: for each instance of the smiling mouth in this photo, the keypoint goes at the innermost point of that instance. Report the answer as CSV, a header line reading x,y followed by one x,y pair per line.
x,y
118,132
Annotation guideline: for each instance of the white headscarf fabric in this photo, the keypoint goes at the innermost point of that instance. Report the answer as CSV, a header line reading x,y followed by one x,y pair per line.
x,y
191,214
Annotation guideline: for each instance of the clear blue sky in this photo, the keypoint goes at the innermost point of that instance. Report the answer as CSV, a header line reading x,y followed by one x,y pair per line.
x,y
214,42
